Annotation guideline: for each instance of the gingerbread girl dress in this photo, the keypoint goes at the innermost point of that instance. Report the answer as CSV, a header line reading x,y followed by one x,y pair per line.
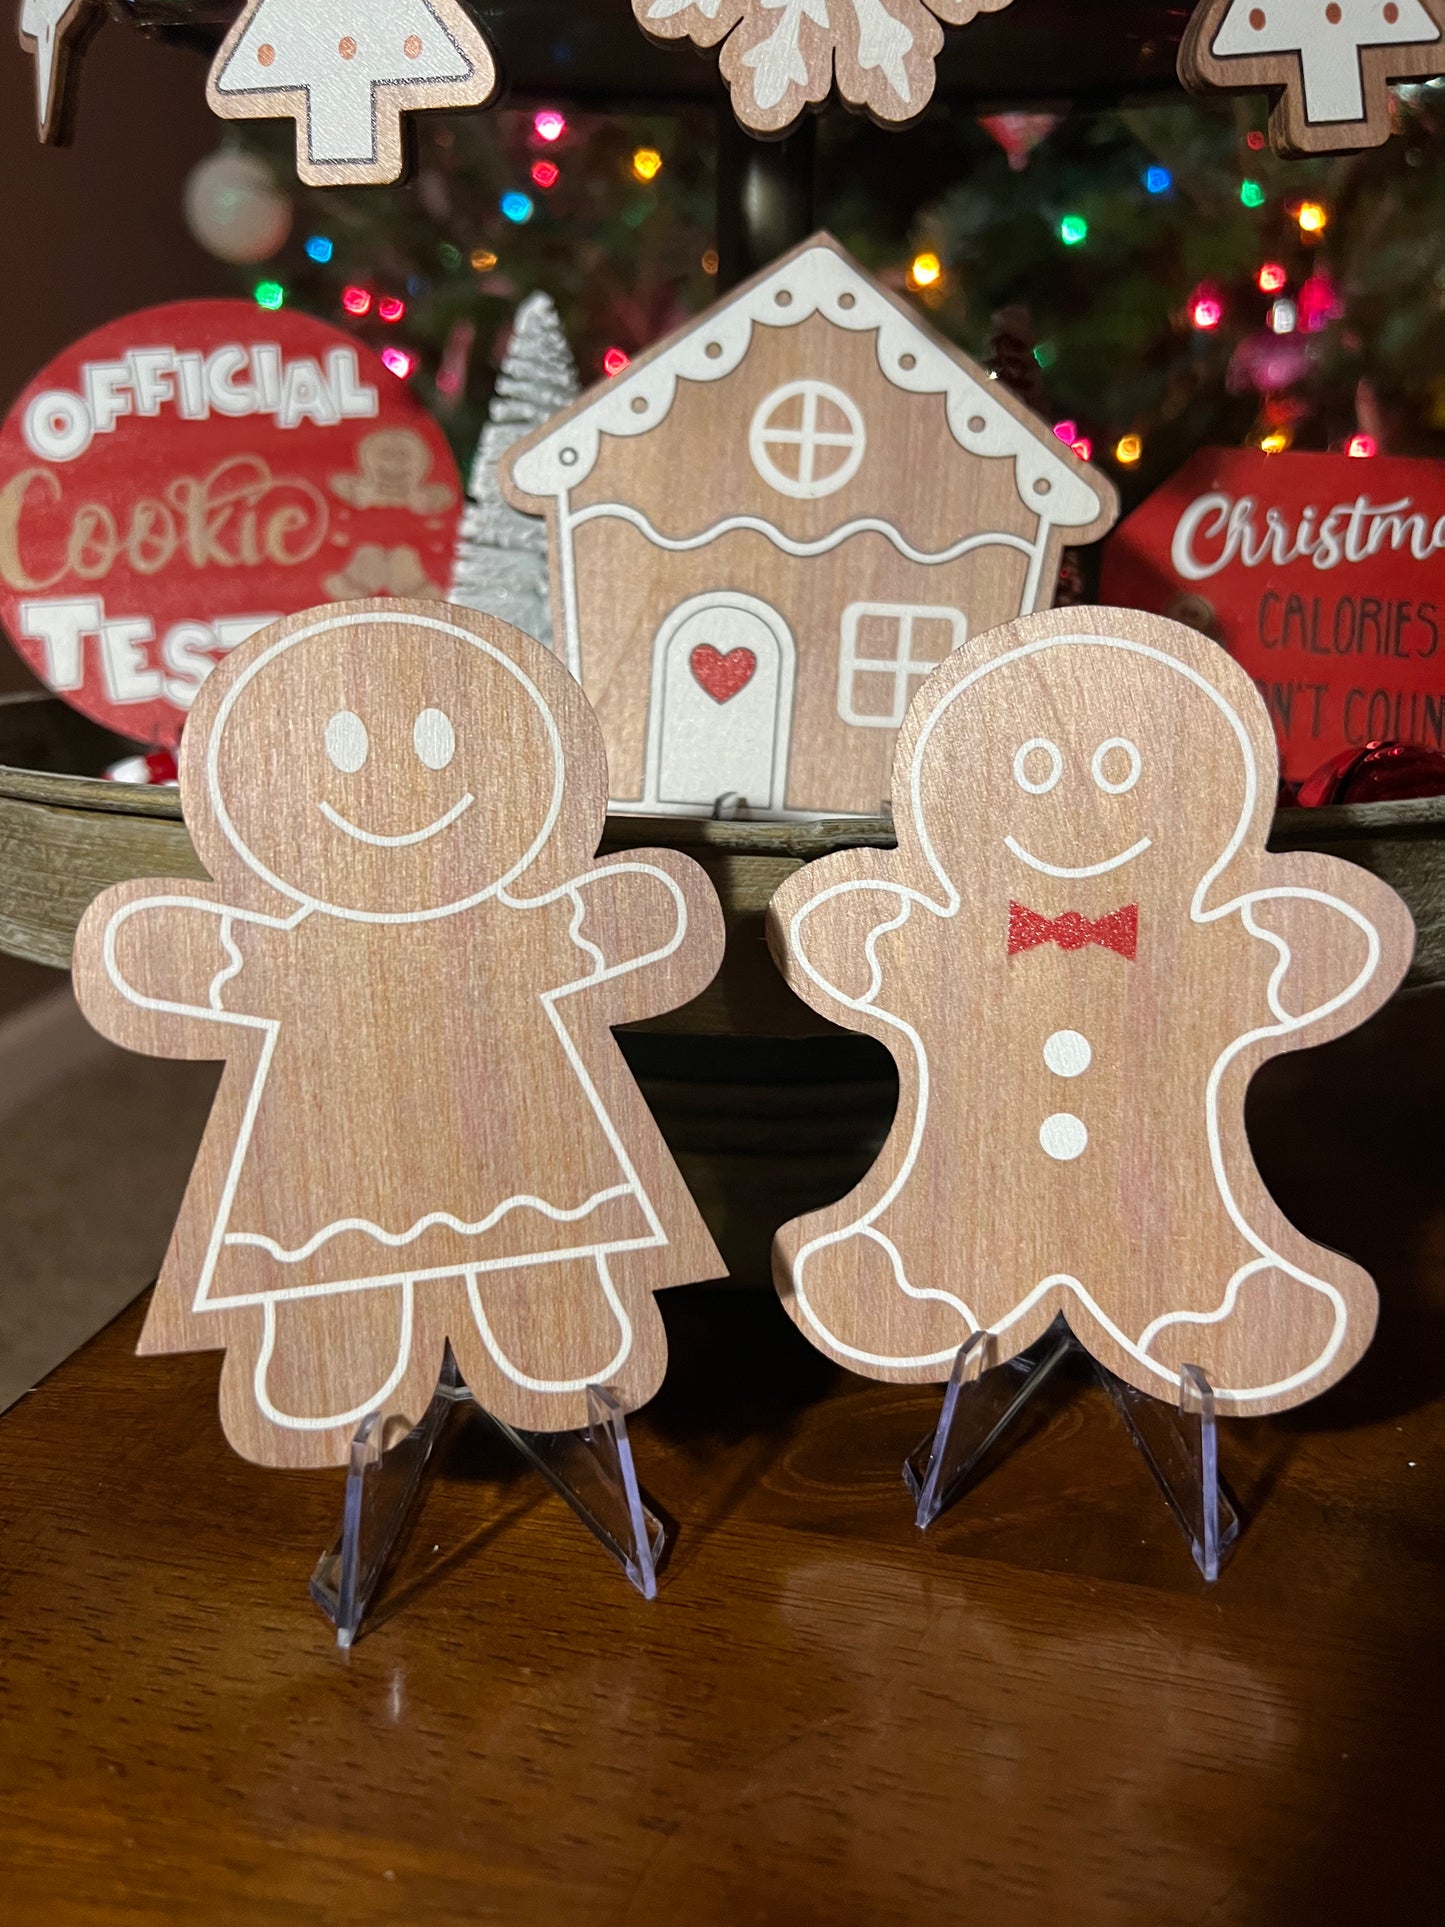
x,y
1078,956
425,1131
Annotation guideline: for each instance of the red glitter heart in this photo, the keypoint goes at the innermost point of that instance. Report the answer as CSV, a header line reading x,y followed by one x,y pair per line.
x,y
722,676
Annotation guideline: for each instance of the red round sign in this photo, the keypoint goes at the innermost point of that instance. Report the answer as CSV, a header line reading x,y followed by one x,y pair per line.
x,y
180,478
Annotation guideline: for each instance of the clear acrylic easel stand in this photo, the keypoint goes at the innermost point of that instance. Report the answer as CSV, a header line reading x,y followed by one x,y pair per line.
x,y
593,1470
1179,1443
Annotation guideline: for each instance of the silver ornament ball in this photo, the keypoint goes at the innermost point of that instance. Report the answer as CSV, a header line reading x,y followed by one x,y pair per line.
x,y
234,208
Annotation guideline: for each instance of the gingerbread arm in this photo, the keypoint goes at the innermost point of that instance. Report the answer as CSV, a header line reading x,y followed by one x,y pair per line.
x,y
1343,941
647,932
825,926
151,964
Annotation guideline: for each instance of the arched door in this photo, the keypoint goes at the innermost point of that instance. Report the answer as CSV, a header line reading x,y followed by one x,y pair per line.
x,y
722,704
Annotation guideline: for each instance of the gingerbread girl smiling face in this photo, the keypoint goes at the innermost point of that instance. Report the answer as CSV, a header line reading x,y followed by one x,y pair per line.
x,y
1079,955
381,810
411,962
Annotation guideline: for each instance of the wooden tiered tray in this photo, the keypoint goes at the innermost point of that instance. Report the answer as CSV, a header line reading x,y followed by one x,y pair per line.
x,y
65,835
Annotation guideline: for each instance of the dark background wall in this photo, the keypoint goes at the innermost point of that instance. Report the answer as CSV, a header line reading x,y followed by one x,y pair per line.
x,y
90,231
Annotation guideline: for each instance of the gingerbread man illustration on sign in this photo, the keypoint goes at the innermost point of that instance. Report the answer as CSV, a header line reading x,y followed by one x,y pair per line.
x,y
1079,955
425,1130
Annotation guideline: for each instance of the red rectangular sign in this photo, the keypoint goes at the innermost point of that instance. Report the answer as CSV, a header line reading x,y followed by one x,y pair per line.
x,y
1324,575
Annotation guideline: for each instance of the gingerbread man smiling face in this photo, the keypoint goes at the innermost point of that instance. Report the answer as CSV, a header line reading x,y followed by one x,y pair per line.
x,y
1079,955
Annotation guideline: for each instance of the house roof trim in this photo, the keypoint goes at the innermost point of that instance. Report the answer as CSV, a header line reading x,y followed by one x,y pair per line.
x,y
820,279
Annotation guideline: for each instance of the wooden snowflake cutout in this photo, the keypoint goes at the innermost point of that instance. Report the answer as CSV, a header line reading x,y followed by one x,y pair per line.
x,y
345,71
1332,58
781,55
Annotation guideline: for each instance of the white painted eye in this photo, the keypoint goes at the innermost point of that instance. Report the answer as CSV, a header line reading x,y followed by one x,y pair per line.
x,y
1031,751
434,738
347,742
1135,762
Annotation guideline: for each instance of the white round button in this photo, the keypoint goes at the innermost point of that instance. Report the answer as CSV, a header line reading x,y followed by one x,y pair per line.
x,y
1068,1053
1063,1136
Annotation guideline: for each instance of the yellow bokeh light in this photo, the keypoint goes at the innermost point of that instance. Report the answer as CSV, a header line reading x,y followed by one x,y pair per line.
x,y
1275,443
483,260
1128,450
710,261
646,163
1312,218
926,271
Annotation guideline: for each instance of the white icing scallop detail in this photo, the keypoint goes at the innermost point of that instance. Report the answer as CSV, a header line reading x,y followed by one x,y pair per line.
x,y
1064,1136
1068,1053
819,281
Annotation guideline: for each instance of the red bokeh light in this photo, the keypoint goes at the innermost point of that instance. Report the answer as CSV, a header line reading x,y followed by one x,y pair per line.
x,y
391,307
549,125
356,301
545,173
614,361
1362,445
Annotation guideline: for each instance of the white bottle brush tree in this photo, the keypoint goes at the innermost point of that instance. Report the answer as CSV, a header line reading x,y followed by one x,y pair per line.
x,y
501,561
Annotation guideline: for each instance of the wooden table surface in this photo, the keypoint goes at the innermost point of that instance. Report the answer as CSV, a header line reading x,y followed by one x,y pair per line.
x,y
1035,1713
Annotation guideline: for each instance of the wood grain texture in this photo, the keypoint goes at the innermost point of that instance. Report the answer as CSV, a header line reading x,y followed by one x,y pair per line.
x,y
1331,85
767,530
778,61
1079,956
410,963
312,64
791,1734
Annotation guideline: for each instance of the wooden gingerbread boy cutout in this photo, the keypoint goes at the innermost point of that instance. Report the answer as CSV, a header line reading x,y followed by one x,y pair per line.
x,y
1079,955
1333,59
410,962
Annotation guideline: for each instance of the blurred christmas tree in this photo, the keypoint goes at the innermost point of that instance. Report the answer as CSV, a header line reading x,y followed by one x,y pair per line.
x,y
1175,283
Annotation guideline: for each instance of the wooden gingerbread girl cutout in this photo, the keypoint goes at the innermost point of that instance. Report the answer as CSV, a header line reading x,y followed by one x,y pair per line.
x,y
779,56
1079,955
1333,59
346,71
425,1129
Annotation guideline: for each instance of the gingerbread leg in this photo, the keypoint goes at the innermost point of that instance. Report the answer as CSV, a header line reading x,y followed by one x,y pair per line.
x,y
533,1339
852,1297
294,1392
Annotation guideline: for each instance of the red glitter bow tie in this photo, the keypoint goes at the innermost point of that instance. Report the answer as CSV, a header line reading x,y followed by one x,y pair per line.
x,y
1119,930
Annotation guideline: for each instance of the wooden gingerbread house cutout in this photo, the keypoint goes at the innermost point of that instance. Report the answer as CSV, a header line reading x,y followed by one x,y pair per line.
x,y
772,526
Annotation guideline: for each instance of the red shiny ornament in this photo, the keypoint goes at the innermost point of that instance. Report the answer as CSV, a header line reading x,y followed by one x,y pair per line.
x,y
1019,134
1378,773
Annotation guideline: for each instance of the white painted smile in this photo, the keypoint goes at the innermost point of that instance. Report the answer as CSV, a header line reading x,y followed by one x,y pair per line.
x,y
338,821
1084,869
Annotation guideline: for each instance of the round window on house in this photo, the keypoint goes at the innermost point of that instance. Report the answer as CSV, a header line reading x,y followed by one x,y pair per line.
x,y
807,439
